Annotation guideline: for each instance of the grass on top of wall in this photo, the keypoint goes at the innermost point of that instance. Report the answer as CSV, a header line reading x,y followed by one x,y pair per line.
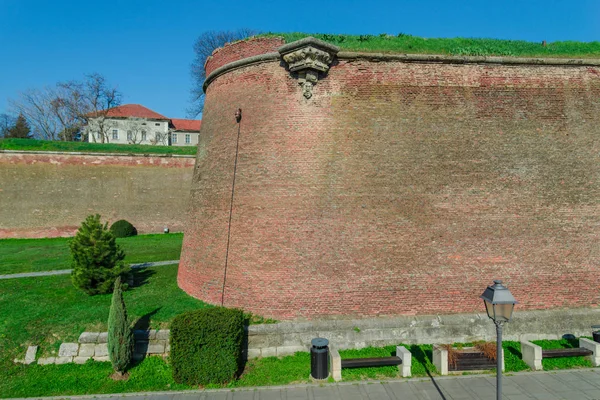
x,y
408,44
49,145
34,255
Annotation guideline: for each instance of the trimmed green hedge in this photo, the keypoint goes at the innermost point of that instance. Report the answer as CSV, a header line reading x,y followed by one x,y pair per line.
x,y
122,229
206,345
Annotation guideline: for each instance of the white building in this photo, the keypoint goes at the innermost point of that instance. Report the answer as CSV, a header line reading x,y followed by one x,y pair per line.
x,y
136,124
185,132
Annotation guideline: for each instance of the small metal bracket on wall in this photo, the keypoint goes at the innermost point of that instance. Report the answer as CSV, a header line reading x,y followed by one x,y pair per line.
x,y
308,57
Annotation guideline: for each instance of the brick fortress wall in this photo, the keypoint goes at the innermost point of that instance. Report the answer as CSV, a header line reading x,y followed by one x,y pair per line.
x,y
398,188
45,195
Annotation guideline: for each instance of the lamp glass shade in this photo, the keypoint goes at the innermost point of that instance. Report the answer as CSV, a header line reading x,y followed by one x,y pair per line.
x,y
499,302
503,312
489,307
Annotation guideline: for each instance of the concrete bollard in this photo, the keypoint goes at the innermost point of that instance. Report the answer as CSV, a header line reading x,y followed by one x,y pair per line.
x,y
406,357
440,359
335,363
594,347
532,355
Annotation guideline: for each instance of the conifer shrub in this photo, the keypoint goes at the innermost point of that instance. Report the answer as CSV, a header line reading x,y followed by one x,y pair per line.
x,y
123,228
206,345
97,259
120,336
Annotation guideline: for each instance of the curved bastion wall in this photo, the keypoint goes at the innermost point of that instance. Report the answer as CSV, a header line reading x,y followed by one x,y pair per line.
x,y
371,185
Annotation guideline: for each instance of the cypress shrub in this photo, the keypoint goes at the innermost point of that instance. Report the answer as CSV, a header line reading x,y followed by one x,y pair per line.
x,y
122,229
120,336
97,259
206,345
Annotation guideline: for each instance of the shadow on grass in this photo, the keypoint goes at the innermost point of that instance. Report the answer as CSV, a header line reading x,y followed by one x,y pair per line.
x,y
422,357
514,351
143,322
140,276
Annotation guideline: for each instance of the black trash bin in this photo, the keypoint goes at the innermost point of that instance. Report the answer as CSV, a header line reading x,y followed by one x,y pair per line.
x,y
596,333
319,358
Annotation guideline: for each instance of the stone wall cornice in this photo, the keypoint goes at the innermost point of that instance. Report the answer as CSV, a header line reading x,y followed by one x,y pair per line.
x,y
413,58
447,59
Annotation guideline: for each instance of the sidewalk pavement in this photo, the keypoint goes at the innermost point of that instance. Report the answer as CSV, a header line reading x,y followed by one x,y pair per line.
x,y
581,384
68,271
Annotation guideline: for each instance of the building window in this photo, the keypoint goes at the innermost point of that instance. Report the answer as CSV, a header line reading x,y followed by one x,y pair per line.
x,y
187,138
157,124
129,135
115,134
143,135
174,138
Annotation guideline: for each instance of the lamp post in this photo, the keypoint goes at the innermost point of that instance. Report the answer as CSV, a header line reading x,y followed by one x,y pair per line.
x,y
499,304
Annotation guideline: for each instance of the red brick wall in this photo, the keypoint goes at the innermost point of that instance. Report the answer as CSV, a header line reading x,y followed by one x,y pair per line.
x,y
240,50
46,195
398,188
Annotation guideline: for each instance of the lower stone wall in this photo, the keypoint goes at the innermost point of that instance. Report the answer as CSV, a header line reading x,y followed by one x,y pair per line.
x,y
287,338
94,345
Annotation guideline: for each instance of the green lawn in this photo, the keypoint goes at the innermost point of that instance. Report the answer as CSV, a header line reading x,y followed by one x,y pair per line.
x,y
48,145
33,255
47,311
408,44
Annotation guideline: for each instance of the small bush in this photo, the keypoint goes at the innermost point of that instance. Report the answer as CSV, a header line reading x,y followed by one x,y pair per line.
x,y
97,259
122,229
120,337
206,345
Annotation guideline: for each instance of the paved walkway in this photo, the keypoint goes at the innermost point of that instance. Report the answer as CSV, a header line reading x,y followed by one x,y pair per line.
x,y
68,271
569,385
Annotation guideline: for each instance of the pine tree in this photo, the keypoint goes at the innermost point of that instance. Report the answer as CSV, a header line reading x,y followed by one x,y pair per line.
x,y
20,130
97,258
120,337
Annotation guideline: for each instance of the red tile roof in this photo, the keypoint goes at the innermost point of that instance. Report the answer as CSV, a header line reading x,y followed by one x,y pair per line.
x,y
134,110
186,124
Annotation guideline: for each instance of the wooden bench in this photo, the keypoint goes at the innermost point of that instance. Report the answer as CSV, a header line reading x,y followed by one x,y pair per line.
x,y
472,361
533,354
403,360
574,352
371,362
468,359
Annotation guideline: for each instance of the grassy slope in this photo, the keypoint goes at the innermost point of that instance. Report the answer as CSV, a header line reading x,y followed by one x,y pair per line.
x,y
407,44
50,310
47,145
32,255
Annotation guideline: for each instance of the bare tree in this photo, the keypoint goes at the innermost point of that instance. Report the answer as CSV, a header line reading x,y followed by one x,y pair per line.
x,y
36,106
206,43
59,112
136,132
6,122
160,139
89,101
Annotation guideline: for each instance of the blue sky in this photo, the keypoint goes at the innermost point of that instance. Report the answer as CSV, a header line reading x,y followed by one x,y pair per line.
x,y
145,47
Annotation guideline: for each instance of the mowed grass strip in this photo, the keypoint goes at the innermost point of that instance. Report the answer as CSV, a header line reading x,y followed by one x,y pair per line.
x,y
84,147
35,255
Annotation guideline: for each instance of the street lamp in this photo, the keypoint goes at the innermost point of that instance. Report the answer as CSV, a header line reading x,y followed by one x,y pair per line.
x,y
499,304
